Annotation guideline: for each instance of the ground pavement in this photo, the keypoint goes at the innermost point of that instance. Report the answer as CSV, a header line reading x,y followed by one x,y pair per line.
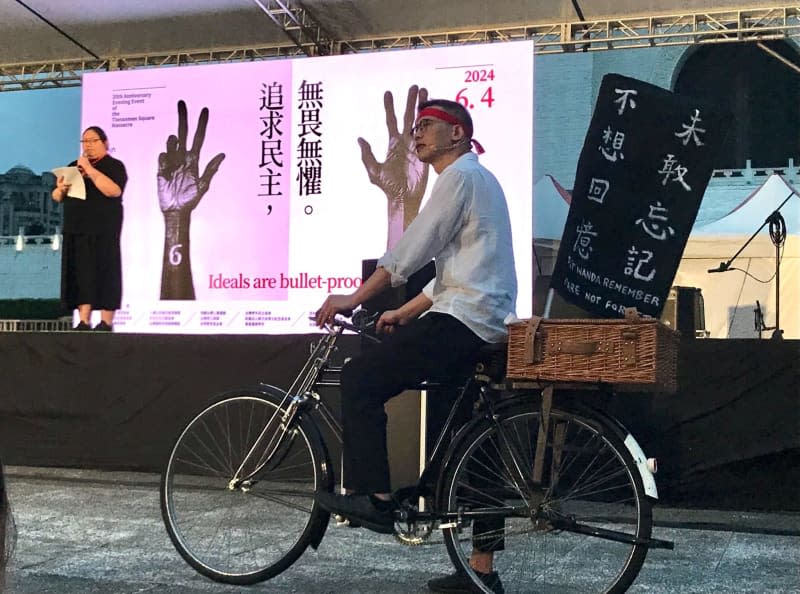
x,y
92,532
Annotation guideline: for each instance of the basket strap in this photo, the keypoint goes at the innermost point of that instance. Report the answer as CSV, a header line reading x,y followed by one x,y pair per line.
x,y
530,337
578,347
632,314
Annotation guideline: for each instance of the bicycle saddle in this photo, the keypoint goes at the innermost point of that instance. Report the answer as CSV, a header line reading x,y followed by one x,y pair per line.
x,y
492,361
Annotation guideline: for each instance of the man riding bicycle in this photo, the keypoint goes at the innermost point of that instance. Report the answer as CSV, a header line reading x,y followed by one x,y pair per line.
x,y
438,334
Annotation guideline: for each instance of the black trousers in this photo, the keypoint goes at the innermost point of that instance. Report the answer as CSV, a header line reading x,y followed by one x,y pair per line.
x,y
435,347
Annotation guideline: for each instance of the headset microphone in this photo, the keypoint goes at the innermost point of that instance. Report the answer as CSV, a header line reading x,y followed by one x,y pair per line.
x,y
450,146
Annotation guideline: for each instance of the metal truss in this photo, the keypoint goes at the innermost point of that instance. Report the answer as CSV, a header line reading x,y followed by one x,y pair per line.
x,y
300,27
68,73
633,32
308,38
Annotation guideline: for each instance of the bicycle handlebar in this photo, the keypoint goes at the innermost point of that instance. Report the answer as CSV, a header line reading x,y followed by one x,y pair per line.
x,y
361,322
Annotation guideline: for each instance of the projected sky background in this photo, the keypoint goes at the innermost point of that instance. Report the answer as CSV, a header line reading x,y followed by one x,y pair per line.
x,y
40,129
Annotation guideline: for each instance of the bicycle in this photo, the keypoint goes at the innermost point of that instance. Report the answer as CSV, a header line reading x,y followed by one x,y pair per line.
x,y
536,474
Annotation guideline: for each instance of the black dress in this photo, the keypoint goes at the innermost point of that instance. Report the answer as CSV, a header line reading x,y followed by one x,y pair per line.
x,y
91,264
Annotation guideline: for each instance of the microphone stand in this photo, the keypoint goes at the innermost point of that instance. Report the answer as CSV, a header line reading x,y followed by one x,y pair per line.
x,y
775,219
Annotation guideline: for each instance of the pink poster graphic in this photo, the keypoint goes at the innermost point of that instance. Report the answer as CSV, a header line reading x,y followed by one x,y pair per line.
x,y
256,189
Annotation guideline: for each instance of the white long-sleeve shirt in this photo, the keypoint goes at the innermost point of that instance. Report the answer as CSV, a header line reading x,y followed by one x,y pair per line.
x,y
466,228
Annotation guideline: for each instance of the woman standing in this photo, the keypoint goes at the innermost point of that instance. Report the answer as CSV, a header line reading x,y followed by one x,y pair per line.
x,y
91,265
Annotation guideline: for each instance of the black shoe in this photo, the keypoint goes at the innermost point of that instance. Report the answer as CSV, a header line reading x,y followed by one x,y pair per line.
x,y
361,509
82,326
459,583
103,327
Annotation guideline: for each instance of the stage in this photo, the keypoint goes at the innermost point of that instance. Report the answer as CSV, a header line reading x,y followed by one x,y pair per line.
x,y
730,437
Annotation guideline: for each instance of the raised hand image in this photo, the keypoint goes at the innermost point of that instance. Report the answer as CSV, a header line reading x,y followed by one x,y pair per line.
x,y
180,189
401,176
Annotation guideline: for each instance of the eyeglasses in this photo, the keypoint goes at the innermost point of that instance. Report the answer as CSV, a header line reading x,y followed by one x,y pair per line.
x,y
422,125
90,140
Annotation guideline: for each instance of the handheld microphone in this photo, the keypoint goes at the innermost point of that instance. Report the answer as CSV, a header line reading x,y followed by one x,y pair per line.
x,y
723,267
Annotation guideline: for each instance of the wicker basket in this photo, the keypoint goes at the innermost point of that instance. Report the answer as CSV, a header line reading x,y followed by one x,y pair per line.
x,y
632,354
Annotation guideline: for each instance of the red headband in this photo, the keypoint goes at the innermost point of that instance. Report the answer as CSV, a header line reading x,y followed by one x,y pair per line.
x,y
440,114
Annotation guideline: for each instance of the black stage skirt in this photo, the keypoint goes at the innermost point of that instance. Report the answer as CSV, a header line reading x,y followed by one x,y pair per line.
x,y
91,271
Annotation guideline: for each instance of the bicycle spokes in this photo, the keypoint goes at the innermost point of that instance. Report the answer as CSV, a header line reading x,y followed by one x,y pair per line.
x,y
587,507
243,529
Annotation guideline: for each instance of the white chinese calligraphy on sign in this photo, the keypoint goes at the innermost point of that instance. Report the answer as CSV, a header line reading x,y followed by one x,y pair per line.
x,y
625,99
612,145
673,170
636,262
654,225
583,239
692,131
598,188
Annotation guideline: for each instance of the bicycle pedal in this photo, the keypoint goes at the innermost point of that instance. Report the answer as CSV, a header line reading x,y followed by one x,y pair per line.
x,y
342,522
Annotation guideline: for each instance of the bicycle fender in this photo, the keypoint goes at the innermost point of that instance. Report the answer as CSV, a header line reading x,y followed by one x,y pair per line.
x,y
639,458
629,441
270,390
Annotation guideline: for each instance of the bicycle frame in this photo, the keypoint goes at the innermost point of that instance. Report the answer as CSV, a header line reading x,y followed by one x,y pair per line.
x,y
318,371
299,398
302,397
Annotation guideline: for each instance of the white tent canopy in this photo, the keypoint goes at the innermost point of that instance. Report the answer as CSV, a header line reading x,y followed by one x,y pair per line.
x,y
753,210
731,297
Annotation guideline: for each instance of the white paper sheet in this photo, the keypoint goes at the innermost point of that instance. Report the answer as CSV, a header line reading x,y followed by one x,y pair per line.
x,y
72,176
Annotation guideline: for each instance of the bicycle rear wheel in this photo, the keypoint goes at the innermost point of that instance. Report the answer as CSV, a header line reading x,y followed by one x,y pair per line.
x,y
249,532
540,533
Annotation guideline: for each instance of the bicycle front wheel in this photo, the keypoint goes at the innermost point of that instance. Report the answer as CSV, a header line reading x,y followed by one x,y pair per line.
x,y
249,528
580,529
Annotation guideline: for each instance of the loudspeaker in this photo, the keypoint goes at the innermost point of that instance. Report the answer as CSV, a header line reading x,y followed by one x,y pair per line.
x,y
684,311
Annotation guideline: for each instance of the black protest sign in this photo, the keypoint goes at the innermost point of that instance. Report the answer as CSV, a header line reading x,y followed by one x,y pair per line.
x,y
642,173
